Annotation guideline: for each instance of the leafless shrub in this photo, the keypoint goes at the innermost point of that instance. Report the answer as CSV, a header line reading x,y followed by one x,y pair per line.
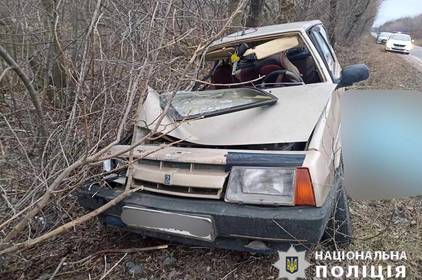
x,y
346,20
107,54
410,25
86,64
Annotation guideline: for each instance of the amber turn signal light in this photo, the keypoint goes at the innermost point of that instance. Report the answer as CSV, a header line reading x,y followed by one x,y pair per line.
x,y
304,194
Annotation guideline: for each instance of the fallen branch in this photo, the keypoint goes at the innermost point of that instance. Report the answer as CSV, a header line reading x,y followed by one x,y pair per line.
x,y
72,224
229,84
116,264
43,201
57,268
88,159
118,251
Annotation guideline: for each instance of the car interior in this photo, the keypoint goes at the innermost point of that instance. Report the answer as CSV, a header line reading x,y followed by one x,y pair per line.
x,y
275,62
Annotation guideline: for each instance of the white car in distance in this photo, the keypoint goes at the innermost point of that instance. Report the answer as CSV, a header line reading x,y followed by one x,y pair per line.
x,y
383,37
399,43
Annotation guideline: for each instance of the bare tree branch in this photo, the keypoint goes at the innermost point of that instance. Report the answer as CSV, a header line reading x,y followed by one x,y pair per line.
x,y
31,91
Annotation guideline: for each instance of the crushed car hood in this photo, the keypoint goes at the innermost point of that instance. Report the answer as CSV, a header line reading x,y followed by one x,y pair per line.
x,y
291,119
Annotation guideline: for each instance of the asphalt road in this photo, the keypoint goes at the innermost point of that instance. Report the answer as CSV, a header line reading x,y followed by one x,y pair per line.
x,y
417,51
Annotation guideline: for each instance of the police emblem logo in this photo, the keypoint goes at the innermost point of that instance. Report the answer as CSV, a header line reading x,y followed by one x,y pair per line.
x,y
167,179
292,264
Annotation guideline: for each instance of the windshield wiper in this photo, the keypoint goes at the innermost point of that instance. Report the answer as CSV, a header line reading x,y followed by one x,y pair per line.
x,y
265,85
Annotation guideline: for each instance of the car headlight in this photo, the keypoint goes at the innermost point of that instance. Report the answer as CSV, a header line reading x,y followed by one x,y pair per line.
x,y
108,165
112,164
270,186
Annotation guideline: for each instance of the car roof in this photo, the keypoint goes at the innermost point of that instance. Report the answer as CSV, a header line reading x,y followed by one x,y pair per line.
x,y
265,31
403,34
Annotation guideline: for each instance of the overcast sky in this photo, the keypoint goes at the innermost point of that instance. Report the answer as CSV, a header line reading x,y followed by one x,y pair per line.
x,y
393,9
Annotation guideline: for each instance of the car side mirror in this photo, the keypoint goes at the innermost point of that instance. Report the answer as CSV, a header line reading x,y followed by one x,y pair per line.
x,y
353,74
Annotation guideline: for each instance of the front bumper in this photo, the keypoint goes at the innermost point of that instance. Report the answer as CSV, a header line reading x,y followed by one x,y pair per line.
x,y
394,49
238,227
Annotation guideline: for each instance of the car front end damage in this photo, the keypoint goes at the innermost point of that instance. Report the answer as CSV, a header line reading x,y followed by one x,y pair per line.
x,y
192,196
228,185
251,170
248,167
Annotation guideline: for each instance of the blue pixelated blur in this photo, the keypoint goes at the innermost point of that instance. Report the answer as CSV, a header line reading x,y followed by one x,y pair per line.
x,y
382,143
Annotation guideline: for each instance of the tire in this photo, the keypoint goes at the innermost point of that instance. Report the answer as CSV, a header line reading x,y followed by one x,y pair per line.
x,y
338,231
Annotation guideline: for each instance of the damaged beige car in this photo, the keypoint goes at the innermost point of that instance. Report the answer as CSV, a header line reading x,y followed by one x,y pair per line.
x,y
255,150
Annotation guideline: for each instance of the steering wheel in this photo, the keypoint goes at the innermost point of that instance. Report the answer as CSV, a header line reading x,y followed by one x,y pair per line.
x,y
282,76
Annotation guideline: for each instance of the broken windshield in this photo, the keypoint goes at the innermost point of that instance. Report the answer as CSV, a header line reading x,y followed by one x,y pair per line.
x,y
207,103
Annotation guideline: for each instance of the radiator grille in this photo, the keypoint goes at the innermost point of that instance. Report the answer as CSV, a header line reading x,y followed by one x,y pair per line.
x,y
180,178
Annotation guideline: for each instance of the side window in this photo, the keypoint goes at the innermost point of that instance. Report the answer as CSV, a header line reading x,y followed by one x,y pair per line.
x,y
324,34
320,38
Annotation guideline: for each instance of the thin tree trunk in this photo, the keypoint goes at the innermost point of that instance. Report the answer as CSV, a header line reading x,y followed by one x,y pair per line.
x,y
237,20
332,20
255,13
32,93
56,61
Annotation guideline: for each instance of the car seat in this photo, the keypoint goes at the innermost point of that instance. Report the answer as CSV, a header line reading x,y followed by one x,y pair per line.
x,y
265,67
223,75
303,60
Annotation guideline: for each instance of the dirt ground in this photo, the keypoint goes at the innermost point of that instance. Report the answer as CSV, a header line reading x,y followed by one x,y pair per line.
x,y
91,251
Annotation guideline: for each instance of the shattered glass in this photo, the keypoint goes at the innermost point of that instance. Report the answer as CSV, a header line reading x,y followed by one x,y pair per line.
x,y
191,104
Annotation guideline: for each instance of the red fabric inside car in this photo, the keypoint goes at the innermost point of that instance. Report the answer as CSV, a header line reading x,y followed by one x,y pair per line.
x,y
267,69
267,66
223,75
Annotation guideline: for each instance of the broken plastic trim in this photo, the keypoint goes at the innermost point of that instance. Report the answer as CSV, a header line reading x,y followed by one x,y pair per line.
x,y
264,160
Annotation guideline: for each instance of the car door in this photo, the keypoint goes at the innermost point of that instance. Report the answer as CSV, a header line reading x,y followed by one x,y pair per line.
x,y
331,141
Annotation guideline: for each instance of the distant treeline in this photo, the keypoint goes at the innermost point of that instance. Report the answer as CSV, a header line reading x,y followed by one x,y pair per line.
x,y
346,20
411,25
